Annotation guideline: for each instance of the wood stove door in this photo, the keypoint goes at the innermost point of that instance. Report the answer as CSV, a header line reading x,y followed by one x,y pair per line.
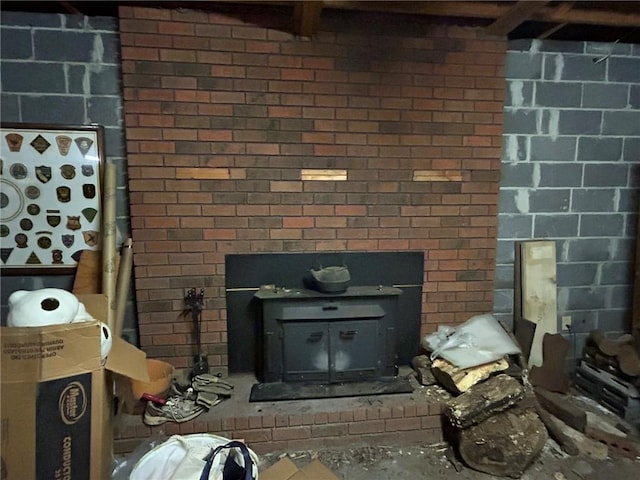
x,y
353,350
306,351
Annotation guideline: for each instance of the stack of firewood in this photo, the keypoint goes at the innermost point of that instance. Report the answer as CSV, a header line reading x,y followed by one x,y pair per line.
x,y
493,416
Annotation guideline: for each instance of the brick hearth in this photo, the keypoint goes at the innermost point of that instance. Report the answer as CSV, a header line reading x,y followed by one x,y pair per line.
x,y
304,424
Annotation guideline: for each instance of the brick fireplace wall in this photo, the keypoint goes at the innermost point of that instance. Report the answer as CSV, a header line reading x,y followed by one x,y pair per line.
x,y
226,112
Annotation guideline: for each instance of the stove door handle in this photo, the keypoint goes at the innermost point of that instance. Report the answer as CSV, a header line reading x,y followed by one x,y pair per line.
x,y
348,334
330,307
315,336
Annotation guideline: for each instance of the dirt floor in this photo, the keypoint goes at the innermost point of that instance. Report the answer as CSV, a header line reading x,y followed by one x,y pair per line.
x,y
437,462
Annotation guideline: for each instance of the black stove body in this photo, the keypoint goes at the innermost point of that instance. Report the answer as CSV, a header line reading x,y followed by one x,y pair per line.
x,y
314,337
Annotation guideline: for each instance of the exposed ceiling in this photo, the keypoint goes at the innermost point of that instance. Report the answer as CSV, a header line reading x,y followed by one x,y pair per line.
x,y
560,20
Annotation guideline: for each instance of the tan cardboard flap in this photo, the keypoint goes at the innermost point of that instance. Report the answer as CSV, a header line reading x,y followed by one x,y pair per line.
x,y
127,360
55,351
285,469
316,470
281,470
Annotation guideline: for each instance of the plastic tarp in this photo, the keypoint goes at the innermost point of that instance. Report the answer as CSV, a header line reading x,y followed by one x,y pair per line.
x,y
479,340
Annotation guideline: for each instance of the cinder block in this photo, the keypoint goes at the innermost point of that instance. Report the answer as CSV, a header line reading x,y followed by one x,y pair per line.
x,y
520,121
32,77
599,149
621,123
514,148
111,47
104,110
624,248
562,149
503,300
631,150
606,175
549,200
517,175
25,19
628,201
601,225
561,46
15,43
507,201
63,45
620,295
561,175
59,109
611,320
555,226
593,200
505,249
586,298
579,122
616,273
114,141
574,67
602,49
75,79
624,69
523,65
576,274
515,226
503,277
634,96
588,250
604,95
10,111
554,94
105,81
103,23
631,225
519,94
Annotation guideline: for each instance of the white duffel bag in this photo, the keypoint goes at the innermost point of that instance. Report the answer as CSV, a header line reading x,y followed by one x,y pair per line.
x,y
197,457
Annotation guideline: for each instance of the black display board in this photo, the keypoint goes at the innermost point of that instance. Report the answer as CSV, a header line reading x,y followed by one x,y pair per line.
x,y
245,273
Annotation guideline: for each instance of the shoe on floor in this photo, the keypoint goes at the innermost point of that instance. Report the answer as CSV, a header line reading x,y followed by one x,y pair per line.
x,y
176,409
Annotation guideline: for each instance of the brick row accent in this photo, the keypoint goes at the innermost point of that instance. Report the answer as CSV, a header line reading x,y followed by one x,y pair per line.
x,y
211,94
402,424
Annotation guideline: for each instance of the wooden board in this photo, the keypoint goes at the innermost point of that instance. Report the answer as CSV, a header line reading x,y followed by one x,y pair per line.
x,y
88,278
539,292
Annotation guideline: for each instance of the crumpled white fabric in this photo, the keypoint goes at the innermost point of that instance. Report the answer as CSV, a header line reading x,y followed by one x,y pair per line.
x,y
479,340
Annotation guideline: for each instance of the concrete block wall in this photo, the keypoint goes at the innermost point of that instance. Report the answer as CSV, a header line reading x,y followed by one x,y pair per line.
x,y
571,151
65,70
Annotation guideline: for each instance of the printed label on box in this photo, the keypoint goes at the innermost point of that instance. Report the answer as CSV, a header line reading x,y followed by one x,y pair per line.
x,y
63,428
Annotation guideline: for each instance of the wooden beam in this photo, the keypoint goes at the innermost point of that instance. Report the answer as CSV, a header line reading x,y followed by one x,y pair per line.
x,y
306,17
518,14
494,10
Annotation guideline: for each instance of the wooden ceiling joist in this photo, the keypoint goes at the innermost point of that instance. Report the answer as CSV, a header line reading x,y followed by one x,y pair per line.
x,y
498,10
518,14
306,17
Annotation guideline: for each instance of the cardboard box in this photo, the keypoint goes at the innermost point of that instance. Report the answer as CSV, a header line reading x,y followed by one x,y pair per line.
x,y
285,469
57,398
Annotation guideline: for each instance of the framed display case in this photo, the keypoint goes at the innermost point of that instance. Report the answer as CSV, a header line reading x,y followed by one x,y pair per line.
x,y
50,196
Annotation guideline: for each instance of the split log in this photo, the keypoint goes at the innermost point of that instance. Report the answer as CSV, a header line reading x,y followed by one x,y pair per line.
x,y
459,380
422,366
482,401
505,444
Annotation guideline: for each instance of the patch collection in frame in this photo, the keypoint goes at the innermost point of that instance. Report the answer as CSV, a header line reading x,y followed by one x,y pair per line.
x,y
50,196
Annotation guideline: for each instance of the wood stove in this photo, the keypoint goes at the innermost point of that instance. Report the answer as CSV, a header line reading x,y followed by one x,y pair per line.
x,y
314,337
